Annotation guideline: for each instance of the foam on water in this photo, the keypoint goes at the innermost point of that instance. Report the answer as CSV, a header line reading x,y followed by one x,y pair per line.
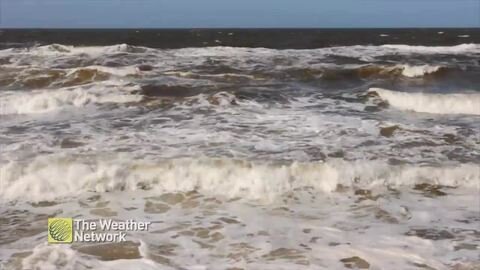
x,y
458,49
45,257
47,178
303,231
243,157
431,103
361,52
43,101
418,71
59,49
116,71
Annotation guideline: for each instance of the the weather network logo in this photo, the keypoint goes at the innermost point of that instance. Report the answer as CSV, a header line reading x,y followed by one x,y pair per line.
x,y
68,230
60,230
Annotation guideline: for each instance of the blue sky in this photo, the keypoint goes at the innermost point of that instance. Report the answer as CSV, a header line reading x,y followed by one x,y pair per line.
x,y
239,13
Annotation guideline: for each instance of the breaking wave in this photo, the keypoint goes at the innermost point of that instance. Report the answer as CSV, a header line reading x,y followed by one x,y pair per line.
x,y
44,101
458,49
431,103
50,177
419,71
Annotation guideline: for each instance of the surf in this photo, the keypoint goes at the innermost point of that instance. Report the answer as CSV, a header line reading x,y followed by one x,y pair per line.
x,y
455,103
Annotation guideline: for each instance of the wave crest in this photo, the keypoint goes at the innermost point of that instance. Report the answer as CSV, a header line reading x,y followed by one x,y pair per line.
x,y
431,103
50,177
45,101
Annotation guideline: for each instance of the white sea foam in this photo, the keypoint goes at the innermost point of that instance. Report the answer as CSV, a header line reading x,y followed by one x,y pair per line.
x,y
47,178
48,257
431,103
58,49
42,54
292,212
116,71
201,232
51,257
458,49
418,71
43,101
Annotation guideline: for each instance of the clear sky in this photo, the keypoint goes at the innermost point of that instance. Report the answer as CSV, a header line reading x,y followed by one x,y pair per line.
x,y
238,13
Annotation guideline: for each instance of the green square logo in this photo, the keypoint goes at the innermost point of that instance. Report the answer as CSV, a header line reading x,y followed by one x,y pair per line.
x,y
60,230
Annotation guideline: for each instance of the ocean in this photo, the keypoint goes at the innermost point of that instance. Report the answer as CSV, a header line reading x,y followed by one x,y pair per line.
x,y
242,148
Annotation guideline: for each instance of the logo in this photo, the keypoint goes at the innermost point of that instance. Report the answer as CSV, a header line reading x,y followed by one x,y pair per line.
x,y
60,230
69,230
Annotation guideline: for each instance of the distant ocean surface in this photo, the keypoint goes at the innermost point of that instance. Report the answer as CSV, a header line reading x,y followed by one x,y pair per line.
x,y
267,38
245,148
